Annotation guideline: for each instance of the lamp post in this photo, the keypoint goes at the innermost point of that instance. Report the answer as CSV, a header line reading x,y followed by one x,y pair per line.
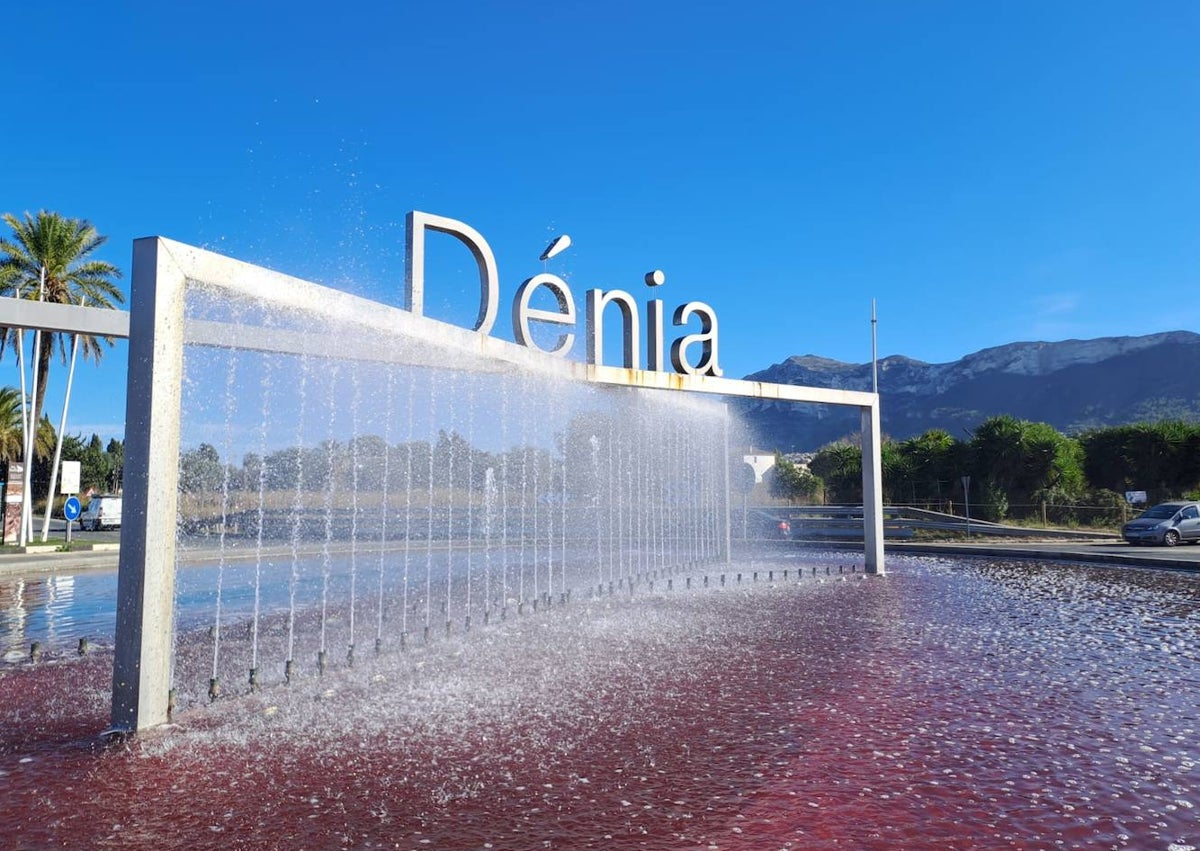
x,y
966,483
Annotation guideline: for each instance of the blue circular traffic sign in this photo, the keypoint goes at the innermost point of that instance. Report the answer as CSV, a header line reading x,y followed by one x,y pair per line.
x,y
71,508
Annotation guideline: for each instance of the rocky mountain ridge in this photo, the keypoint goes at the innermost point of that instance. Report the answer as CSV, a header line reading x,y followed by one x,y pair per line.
x,y
1072,384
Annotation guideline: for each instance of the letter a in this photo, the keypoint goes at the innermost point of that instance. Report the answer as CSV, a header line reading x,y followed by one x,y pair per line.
x,y
707,338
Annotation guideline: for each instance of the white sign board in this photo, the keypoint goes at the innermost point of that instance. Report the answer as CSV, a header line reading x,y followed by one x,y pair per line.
x,y
1135,497
68,478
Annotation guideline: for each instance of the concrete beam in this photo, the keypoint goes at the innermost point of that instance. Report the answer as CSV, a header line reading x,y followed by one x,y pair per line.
x,y
68,318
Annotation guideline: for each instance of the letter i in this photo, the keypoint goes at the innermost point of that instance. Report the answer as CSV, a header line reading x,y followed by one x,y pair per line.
x,y
654,325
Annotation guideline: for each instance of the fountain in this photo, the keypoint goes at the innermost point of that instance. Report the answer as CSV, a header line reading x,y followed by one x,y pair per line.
x,y
596,447
772,702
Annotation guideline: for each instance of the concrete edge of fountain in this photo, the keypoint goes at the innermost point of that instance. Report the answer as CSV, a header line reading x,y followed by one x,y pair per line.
x,y
1100,551
103,556
32,561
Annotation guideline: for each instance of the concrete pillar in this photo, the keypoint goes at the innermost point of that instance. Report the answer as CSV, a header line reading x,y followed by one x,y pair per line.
x,y
872,482
146,579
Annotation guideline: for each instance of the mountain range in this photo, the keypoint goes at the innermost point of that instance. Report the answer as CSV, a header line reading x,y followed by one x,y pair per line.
x,y
1073,385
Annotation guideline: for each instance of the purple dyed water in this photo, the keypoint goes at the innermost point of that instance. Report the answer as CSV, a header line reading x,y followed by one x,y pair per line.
x,y
949,705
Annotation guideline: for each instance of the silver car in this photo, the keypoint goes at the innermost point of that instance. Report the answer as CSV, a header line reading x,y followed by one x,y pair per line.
x,y
1167,524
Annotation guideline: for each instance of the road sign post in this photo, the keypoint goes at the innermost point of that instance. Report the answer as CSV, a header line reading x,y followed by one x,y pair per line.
x,y
71,511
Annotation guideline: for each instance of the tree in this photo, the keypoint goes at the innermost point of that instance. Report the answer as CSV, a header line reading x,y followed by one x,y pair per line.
x,y
1159,458
368,454
839,466
935,461
899,483
790,481
62,247
1021,464
12,446
44,440
200,470
95,466
116,463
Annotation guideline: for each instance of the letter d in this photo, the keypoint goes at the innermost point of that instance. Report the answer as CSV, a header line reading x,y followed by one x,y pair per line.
x,y
414,275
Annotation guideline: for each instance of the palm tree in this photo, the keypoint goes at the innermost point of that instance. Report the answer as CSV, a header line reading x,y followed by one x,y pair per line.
x,y
12,442
12,433
62,247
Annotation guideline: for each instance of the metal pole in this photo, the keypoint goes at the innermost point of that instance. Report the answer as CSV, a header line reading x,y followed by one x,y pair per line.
x,y
874,351
62,426
25,413
31,442
31,431
966,483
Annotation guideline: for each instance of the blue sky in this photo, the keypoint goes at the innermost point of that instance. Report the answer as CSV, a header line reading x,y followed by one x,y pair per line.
x,y
989,172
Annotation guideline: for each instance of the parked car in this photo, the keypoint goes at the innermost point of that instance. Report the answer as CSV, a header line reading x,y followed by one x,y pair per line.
x,y
1168,524
103,512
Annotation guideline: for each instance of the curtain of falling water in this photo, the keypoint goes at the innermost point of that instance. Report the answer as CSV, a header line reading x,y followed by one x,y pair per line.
x,y
226,449
330,489
524,502
489,510
622,488
711,479
635,497
689,494
408,494
429,528
637,484
594,444
383,509
637,491
563,530
504,590
703,497
536,494
702,487
450,445
297,520
356,394
263,421
608,510
656,518
549,530
671,499
661,512
470,492
715,453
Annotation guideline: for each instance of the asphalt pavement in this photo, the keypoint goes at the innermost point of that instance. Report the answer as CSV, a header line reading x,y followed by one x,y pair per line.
x,y
1183,557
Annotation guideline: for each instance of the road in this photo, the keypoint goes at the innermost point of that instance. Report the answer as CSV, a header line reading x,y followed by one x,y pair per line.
x,y
58,531
1097,552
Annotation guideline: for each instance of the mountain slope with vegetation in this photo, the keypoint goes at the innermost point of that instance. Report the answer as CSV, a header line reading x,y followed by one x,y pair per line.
x,y
1074,385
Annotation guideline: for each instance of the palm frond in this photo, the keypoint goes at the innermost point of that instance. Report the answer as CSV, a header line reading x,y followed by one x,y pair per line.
x,y
59,248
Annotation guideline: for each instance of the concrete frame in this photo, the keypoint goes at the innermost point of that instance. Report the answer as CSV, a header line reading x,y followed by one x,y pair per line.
x,y
157,332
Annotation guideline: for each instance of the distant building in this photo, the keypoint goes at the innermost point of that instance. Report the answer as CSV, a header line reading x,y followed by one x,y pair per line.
x,y
760,464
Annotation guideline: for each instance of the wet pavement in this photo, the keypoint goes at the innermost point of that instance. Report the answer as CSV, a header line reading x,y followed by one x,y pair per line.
x,y
958,703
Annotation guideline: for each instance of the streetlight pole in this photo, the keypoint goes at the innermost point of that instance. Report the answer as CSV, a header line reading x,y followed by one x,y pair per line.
x,y
966,483
874,351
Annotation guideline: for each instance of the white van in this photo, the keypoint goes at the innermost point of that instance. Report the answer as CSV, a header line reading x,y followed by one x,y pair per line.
x,y
102,512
